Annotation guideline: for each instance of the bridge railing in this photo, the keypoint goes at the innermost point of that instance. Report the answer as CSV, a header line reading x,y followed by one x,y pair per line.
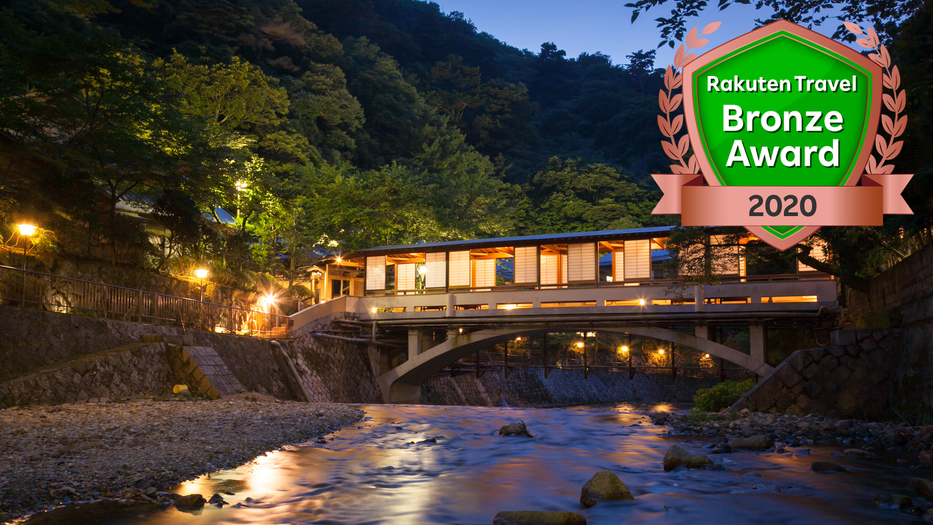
x,y
75,296
759,295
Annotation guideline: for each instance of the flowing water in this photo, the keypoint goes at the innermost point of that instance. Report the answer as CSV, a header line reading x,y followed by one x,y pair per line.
x,y
374,474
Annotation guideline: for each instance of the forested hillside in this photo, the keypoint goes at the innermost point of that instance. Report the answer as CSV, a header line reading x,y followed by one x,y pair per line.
x,y
321,125
329,125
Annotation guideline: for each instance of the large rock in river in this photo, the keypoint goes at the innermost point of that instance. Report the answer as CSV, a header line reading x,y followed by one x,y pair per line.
x,y
191,501
538,517
923,486
604,486
677,456
756,442
514,429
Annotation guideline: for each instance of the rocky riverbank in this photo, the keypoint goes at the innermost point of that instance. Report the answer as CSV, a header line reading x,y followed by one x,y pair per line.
x,y
757,431
61,454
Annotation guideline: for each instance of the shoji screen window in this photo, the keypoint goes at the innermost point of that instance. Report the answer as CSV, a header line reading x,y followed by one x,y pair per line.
x,y
526,265
435,267
376,273
637,255
581,262
405,276
484,273
459,271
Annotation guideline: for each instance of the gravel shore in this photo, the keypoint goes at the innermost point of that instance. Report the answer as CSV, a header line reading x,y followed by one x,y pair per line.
x,y
67,453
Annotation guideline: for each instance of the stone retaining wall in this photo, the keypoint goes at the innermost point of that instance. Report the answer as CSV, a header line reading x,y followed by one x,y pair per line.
x,y
852,379
119,373
528,387
33,340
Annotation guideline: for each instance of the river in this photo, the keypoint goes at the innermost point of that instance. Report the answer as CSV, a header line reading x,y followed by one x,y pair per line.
x,y
372,473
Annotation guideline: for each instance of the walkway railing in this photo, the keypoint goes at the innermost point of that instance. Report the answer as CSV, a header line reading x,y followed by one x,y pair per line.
x,y
54,293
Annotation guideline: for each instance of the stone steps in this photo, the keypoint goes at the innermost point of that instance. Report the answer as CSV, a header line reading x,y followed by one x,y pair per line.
x,y
203,371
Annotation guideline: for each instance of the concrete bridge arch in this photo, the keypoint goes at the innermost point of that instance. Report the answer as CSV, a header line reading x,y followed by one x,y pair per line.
x,y
403,383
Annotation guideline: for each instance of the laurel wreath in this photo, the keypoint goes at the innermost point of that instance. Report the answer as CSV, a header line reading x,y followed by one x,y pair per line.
x,y
896,101
677,149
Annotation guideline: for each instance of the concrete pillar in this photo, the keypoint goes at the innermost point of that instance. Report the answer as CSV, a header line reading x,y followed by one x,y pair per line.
x,y
757,338
699,297
701,331
414,343
451,304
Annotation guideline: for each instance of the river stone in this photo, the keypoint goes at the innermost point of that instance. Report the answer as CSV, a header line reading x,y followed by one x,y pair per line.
x,y
191,501
893,501
514,429
929,515
604,486
923,486
857,452
538,517
677,456
826,466
757,442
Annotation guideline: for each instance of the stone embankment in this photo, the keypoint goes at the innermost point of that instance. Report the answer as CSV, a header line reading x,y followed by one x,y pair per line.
x,y
53,455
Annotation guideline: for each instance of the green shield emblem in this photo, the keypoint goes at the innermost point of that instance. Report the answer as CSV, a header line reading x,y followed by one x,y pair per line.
x,y
782,106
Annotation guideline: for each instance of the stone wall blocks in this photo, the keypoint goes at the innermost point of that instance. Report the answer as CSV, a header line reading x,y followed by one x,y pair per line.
x,y
843,337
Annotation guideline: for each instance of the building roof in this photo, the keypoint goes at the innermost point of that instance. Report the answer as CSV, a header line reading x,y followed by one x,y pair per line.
x,y
526,240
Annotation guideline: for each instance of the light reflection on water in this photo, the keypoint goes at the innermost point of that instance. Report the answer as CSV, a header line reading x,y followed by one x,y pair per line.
x,y
471,474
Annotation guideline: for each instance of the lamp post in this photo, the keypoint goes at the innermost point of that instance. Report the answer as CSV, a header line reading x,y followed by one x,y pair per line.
x,y
25,230
201,274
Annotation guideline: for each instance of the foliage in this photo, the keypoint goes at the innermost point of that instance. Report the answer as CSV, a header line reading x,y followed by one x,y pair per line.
x,y
718,397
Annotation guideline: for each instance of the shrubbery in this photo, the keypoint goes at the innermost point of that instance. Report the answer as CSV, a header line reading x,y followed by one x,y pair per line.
x,y
721,396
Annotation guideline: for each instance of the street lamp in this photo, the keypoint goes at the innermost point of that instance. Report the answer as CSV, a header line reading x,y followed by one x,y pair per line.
x,y
201,274
26,230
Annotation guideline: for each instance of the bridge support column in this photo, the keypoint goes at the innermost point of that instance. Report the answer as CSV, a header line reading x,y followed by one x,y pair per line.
x,y
451,304
414,344
757,339
699,298
701,331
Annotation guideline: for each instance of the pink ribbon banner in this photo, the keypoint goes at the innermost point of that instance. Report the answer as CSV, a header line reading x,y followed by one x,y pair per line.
x,y
700,205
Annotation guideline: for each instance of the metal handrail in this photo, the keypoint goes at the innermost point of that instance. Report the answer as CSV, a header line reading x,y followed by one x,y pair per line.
x,y
26,288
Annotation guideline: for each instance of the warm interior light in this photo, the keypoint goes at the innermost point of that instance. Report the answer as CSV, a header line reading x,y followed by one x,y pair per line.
x,y
26,229
518,338
461,330
580,345
608,278
641,302
661,351
339,260
200,273
509,307
374,309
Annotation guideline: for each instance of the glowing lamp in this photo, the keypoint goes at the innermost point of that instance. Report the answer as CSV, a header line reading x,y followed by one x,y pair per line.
x,y
26,229
200,273
624,348
707,355
661,351
374,309
580,344
641,302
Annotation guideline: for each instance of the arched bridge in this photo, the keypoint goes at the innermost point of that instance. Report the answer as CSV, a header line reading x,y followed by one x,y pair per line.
x,y
475,320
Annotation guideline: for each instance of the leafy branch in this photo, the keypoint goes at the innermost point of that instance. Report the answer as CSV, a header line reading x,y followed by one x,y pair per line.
x,y
670,126
895,102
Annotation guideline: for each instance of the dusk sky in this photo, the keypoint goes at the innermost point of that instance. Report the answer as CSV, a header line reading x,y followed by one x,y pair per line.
x,y
595,25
